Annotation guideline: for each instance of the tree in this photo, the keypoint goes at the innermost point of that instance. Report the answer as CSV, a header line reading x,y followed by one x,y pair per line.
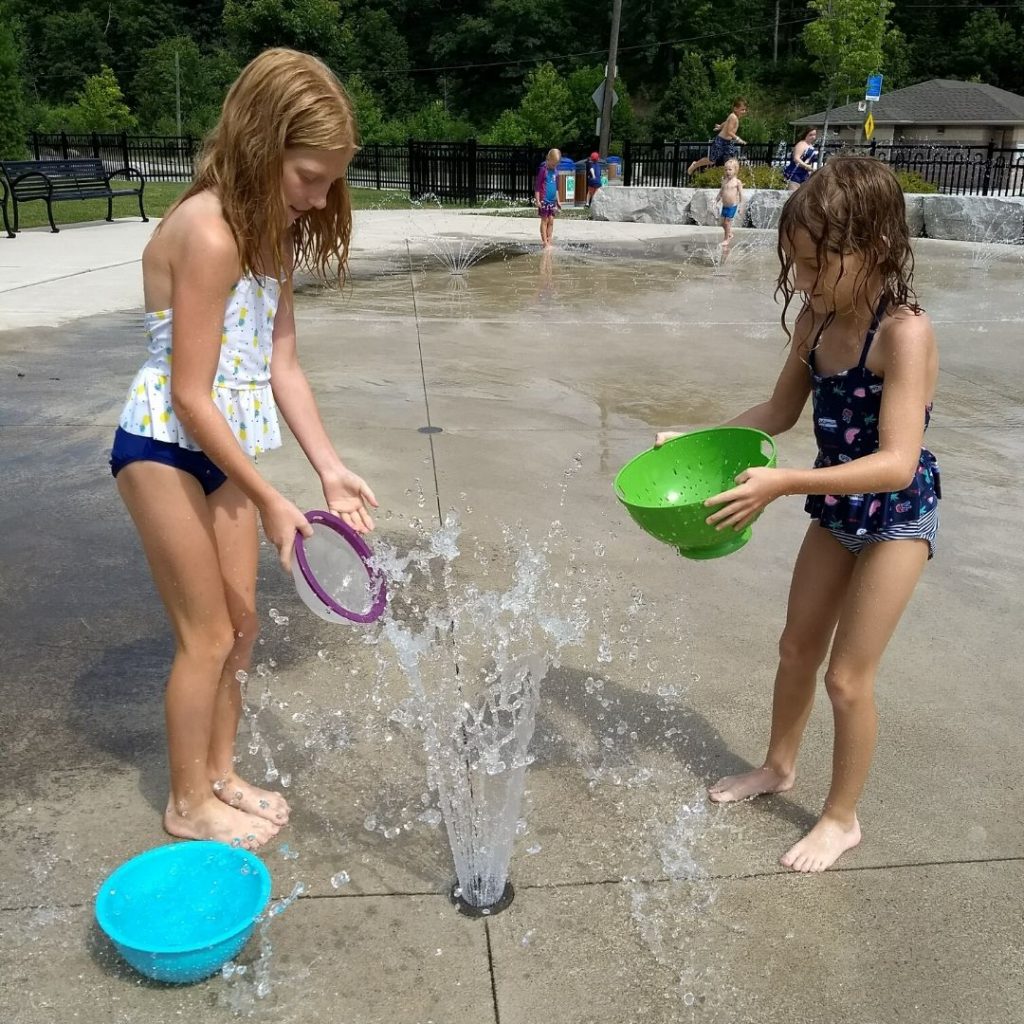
x,y
369,113
990,50
314,26
846,43
546,108
71,47
581,84
99,107
13,102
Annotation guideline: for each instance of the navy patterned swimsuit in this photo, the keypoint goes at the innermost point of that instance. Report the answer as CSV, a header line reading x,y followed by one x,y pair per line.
x,y
846,410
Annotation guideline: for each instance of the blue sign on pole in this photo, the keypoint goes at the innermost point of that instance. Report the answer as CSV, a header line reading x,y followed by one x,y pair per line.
x,y
873,91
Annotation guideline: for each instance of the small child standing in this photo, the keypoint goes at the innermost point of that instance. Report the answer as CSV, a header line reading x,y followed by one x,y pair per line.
x,y
593,178
730,196
545,192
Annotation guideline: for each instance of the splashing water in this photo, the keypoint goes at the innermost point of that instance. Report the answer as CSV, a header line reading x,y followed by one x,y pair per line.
x,y
474,661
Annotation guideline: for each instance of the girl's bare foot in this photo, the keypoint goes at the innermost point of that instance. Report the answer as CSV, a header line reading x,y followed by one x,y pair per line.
x,y
264,803
748,784
822,846
212,819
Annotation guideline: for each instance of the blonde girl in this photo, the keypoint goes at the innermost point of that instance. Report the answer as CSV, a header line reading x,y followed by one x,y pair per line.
x,y
270,195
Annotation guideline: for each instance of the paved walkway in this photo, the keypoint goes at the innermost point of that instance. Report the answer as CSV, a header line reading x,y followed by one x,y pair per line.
x,y
636,902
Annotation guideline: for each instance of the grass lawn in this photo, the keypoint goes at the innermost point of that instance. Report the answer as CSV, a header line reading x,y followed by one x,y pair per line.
x,y
158,197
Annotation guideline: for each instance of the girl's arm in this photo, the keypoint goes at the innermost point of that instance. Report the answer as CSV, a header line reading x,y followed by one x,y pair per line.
x,y
909,370
204,266
346,493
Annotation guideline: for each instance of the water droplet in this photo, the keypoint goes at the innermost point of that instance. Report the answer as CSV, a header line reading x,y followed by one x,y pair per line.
x,y
340,879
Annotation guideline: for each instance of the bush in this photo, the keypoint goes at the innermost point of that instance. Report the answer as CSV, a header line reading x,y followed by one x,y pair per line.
x,y
911,181
752,176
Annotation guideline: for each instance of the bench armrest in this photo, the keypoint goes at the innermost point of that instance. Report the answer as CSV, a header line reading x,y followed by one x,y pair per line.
x,y
127,172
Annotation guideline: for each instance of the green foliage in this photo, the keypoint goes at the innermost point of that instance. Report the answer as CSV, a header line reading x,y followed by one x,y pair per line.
x,y
314,26
98,107
203,80
581,84
911,181
846,42
13,105
545,111
752,176
432,123
369,113
508,130
989,45
70,47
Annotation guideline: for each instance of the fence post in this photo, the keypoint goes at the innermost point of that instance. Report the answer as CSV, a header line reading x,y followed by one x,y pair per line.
x,y
872,148
471,159
35,144
376,157
627,163
986,181
64,143
124,149
95,145
675,163
410,159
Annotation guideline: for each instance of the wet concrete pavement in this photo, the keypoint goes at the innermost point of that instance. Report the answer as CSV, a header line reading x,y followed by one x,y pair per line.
x,y
525,362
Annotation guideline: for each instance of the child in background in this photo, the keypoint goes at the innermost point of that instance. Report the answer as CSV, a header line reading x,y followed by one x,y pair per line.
x,y
730,197
864,350
726,143
270,195
593,178
545,191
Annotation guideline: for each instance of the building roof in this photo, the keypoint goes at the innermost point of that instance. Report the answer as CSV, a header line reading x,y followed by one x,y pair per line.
x,y
941,101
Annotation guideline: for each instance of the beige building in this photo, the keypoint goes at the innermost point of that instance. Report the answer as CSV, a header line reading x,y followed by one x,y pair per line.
x,y
941,111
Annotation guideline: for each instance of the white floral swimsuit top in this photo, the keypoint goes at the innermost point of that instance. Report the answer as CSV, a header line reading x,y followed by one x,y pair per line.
x,y
241,388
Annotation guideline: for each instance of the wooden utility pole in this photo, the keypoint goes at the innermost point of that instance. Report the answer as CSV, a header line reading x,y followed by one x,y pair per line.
x,y
609,79
775,38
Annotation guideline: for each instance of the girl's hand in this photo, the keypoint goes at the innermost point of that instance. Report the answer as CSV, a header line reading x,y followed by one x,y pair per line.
x,y
281,519
665,436
348,496
758,487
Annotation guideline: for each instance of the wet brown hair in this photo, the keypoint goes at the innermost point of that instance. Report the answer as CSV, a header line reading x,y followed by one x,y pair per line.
x,y
854,204
282,99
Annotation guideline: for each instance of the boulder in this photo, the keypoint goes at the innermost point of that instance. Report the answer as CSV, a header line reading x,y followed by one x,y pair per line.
x,y
915,214
974,218
645,205
704,210
764,207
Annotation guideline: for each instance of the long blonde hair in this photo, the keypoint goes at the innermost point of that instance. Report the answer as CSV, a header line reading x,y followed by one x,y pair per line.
x,y
282,99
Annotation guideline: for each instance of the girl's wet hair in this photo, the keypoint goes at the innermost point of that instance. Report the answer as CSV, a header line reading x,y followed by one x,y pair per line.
x,y
282,99
854,204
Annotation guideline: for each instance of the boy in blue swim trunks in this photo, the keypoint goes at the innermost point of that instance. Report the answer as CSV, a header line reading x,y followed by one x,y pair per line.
x,y
730,196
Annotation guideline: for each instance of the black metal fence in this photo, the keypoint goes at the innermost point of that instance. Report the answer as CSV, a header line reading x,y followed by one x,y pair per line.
x,y
955,170
159,157
469,173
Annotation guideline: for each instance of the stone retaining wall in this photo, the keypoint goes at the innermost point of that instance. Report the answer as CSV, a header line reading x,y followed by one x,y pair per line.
x,y
959,218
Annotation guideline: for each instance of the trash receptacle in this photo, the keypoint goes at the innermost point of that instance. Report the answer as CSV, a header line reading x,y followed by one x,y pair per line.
x,y
615,170
567,181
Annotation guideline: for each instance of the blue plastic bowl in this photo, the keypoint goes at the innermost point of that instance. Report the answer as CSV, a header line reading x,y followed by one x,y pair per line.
x,y
178,913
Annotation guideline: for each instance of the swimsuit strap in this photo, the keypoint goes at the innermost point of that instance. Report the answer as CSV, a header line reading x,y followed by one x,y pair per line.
x,y
872,331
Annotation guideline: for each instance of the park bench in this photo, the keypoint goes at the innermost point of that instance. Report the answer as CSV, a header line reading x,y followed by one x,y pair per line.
x,y
54,181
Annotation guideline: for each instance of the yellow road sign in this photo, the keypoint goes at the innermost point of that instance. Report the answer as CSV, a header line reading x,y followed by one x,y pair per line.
x,y
869,127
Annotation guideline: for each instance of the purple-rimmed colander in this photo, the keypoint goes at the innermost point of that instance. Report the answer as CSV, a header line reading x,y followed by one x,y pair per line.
x,y
334,574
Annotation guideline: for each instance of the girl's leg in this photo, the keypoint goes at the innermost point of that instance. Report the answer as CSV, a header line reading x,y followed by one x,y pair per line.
x,y
820,580
543,231
174,524
882,583
235,530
